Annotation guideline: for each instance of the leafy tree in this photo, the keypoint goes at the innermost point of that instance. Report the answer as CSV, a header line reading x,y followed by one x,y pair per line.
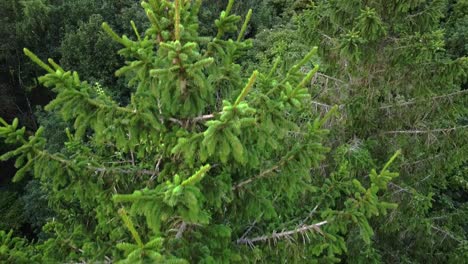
x,y
202,165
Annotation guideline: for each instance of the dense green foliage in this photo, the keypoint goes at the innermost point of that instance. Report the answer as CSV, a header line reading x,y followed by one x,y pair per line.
x,y
400,89
204,147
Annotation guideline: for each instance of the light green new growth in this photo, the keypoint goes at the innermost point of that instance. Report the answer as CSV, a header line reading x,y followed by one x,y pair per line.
x,y
244,26
38,61
197,177
129,224
177,20
247,88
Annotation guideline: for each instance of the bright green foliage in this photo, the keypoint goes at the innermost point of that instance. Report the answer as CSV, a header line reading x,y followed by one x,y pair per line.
x,y
200,152
15,250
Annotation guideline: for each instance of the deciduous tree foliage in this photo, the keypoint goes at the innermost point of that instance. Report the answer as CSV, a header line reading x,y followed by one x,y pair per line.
x,y
205,164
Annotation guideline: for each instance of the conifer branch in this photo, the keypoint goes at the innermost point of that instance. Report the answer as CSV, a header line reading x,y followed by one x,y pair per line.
x,y
135,30
155,23
274,68
247,88
244,26
226,14
308,77
113,35
38,61
129,224
285,160
229,7
177,20
304,60
283,235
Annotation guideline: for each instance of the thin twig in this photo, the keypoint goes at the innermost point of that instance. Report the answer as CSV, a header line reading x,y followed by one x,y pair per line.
x,y
262,174
439,130
326,106
156,169
251,226
117,170
446,233
309,215
414,101
329,77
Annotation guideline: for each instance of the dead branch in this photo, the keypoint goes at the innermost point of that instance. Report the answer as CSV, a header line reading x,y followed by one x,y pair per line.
x,y
439,130
283,235
414,101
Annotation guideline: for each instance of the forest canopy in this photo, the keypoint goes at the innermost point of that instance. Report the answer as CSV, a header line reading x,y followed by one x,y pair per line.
x,y
222,131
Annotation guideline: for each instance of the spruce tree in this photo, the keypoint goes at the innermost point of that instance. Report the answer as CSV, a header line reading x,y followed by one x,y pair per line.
x,y
205,164
385,64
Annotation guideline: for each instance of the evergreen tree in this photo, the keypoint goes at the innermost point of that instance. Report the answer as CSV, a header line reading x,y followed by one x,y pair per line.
x,y
204,164
41,26
385,64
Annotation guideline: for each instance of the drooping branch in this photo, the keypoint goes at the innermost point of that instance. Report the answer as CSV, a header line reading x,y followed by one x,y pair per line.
x,y
283,235
284,160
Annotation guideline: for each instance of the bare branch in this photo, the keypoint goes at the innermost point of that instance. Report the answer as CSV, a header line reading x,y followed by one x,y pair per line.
x,y
123,171
439,130
446,233
156,169
193,120
203,117
326,106
283,235
173,120
181,230
414,101
329,77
